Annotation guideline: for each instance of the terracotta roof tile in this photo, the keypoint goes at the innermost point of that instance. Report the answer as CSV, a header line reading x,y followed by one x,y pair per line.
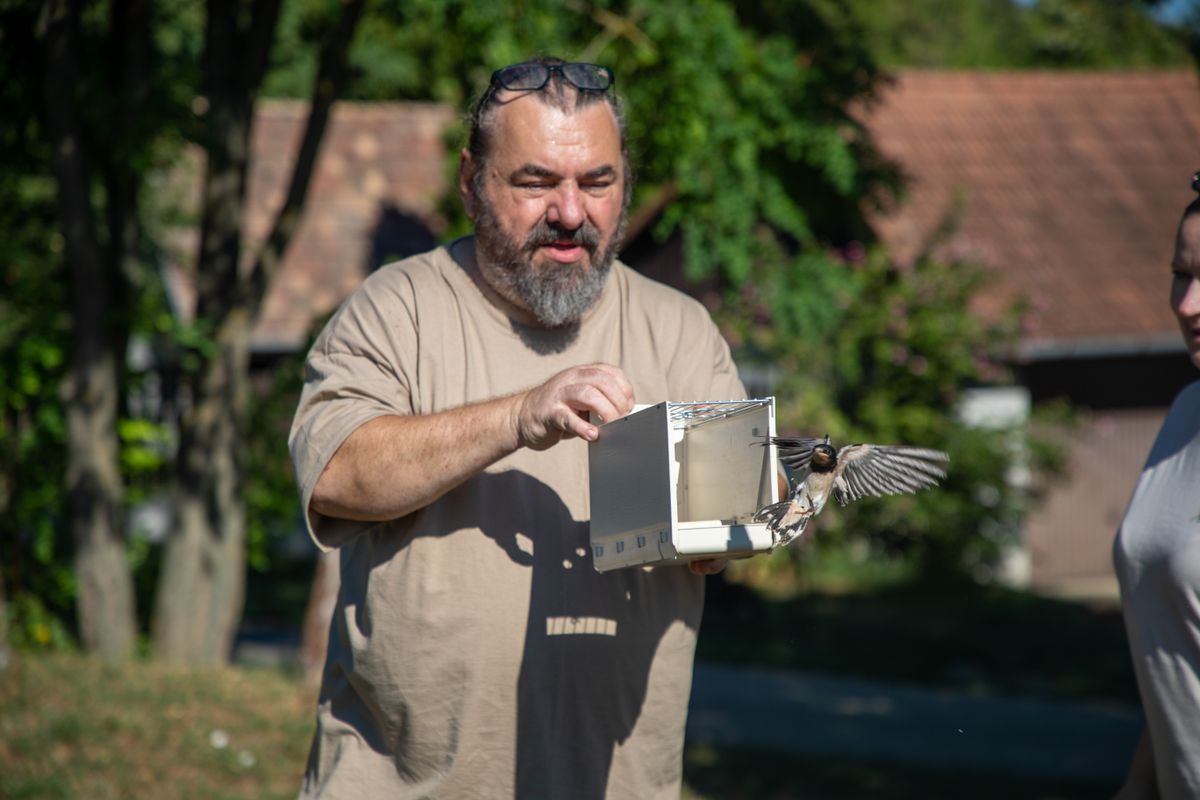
x,y
379,163
1072,184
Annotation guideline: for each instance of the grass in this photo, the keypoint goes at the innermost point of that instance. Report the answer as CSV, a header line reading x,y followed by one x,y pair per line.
x,y
987,640
738,775
73,727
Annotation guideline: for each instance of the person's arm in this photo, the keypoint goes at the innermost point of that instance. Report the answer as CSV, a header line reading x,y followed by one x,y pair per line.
x,y
1140,783
393,465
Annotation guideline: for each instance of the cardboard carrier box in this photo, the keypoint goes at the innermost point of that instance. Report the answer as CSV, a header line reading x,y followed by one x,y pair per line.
x,y
675,482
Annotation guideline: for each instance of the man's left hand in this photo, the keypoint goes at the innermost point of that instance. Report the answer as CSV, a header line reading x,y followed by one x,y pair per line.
x,y
707,566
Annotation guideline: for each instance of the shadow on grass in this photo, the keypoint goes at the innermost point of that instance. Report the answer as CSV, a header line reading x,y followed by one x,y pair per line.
x,y
737,774
985,640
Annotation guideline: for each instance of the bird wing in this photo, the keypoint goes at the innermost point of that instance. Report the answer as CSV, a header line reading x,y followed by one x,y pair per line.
x,y
794,453
877,470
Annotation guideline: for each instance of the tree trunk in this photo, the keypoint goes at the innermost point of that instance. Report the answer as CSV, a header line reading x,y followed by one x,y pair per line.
x,y
5,655
202,586
107,623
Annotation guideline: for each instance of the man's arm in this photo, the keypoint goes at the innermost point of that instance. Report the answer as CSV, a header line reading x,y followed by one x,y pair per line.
x,y
393,465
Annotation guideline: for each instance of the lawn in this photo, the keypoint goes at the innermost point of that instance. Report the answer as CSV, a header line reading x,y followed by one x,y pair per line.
x,y
982,639
72,727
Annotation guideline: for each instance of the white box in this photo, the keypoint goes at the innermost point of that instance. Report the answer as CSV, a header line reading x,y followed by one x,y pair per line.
x,y
675,482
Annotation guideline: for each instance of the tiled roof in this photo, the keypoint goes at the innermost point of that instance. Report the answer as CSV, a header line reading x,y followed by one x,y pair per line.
x,y
1071,184
373,198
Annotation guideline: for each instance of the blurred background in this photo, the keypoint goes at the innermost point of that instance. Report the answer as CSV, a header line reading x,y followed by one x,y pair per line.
x,y
943,223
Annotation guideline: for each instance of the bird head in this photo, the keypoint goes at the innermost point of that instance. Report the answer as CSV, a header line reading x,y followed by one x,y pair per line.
x,y
824,457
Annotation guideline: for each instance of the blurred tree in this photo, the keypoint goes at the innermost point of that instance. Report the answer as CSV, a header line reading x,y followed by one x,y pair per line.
x,y
739,115
34,338
889,360
105,129
1004,34
105,601
202,583
1102,34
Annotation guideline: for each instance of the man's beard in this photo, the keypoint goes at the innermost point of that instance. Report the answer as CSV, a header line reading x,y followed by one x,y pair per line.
x,y
556,294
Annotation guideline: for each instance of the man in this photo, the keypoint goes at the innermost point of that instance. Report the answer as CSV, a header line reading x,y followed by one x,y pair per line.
x,y
441,443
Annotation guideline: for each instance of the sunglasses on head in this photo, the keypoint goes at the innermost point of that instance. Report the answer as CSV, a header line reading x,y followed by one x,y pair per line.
x,y
533,76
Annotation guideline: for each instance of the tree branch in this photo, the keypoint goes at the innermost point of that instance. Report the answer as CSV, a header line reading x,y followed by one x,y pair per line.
x,y
332,75
61,32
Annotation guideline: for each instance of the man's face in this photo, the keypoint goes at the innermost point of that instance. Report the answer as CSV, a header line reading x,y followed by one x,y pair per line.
x,y
1185,284
548,207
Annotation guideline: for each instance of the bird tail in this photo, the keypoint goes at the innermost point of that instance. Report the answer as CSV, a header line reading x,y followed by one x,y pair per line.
x,y
772,514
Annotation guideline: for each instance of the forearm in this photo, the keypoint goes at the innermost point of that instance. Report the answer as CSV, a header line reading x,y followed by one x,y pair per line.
x,y
394,465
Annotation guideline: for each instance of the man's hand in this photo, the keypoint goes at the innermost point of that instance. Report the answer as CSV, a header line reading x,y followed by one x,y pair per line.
x,y
393,465
707,566
558,409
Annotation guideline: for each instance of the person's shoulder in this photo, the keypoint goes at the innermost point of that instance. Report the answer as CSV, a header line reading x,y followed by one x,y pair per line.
x,y
416,270
659,301
1188,398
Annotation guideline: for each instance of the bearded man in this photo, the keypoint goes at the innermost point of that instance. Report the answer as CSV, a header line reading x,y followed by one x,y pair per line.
x,y
441,444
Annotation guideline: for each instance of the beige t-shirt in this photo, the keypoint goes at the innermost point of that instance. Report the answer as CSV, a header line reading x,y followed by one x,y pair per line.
x,y
474,651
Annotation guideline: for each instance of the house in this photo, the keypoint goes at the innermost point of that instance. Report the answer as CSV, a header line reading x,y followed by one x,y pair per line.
x,y
1068,186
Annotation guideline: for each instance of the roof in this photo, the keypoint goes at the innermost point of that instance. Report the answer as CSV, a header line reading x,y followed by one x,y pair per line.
x,y
1071,185
373,199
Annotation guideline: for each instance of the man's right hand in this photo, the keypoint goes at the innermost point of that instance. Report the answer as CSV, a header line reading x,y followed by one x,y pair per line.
x,y
559,408
393,465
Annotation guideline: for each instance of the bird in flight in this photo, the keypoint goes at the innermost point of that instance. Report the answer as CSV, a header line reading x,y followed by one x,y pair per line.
x,y
853,472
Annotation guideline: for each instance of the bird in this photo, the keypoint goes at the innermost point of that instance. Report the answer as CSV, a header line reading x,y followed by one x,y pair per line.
x,y
853,472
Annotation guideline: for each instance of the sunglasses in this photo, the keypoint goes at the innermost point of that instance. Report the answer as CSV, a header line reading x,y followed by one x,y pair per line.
x,y
531,77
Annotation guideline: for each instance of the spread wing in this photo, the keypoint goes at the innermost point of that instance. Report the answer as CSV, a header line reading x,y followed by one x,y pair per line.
x,y
795,453
878,470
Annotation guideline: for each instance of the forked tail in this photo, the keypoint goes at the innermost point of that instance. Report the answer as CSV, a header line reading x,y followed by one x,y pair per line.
x,y
772,514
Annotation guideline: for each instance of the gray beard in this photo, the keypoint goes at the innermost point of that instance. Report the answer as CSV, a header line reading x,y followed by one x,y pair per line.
x,y
557,295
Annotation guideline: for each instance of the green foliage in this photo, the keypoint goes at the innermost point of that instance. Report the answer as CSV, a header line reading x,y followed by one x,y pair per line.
x,y
272,507
1003,34
33,626
34,342
35,319
739,115
887,360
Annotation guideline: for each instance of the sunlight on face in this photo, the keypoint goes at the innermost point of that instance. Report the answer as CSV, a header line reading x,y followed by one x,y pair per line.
x,y
549,210
1185,283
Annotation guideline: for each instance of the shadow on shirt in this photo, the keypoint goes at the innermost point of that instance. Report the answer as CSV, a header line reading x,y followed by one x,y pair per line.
x,y
590,642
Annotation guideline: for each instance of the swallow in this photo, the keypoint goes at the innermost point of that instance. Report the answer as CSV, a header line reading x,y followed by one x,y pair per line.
x,y
853,472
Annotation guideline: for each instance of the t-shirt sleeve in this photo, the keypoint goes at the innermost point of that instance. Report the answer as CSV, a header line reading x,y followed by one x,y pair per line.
x,y
359,368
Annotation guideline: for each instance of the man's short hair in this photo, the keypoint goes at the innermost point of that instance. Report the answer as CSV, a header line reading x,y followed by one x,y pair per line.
x,y
559,93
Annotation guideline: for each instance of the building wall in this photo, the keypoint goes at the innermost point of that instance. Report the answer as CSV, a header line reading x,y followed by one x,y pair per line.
x,y
1120,402
1069,537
